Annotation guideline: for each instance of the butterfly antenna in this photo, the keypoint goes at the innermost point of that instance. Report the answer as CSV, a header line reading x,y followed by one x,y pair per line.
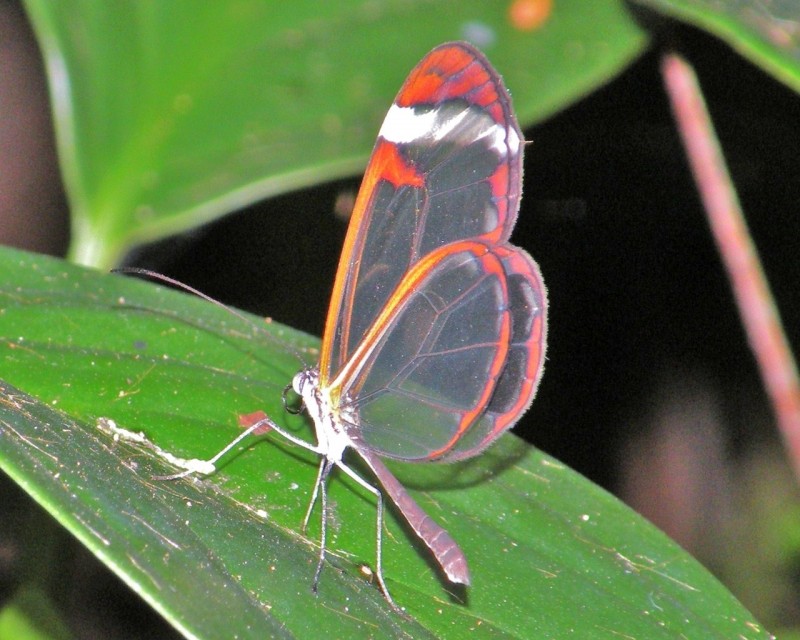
x,y
155,275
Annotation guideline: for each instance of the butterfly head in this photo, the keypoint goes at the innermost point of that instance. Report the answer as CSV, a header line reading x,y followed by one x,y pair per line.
x,y
305,382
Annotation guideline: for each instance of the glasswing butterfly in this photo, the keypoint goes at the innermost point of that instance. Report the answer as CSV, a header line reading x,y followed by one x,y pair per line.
x,y
435,337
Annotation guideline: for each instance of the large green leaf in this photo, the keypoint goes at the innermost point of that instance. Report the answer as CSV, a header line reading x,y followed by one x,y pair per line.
x,y
169,114
29,615
764,32
551,554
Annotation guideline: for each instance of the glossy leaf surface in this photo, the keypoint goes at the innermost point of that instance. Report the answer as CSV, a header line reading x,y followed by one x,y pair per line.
x,y
170,114
550,553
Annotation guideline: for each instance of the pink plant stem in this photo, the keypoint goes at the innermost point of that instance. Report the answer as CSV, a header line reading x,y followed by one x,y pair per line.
x,y
756,305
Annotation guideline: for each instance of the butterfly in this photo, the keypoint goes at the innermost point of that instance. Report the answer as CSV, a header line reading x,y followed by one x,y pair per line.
x,y
435,336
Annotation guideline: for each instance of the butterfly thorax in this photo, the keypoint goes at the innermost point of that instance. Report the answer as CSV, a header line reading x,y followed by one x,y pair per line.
x,y
326,413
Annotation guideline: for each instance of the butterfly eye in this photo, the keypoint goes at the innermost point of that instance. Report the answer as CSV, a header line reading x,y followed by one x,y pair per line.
x,y
290,404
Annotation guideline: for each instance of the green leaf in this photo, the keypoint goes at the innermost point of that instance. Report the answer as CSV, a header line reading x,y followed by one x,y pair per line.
x,y
764,32
170,114
29,615
551,554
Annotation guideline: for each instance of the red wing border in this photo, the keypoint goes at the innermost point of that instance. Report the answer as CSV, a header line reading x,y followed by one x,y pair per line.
x,y
524,365
447,167
455,358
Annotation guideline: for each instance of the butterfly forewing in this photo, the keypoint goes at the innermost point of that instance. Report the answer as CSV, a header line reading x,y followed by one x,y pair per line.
x,y
446,167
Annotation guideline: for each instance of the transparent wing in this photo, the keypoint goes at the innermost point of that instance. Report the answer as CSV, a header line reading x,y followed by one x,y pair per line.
x,y
524,364
449,354
446,167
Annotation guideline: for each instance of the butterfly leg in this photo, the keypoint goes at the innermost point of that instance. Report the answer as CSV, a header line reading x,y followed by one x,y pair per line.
x,y
379,531
208,467
321,490
321,477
